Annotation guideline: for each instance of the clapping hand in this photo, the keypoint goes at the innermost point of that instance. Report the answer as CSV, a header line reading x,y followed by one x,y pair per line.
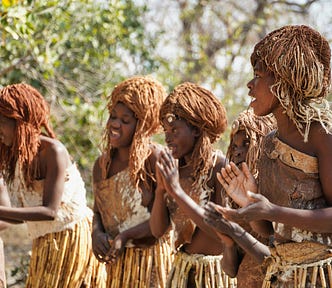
x,y
237,183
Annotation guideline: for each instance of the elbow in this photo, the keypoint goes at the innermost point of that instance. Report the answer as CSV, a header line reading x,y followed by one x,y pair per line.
x,y
51,214
230,271
157,232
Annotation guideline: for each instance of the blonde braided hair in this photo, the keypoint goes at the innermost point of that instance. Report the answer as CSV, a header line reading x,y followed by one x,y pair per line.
x,y
144,96
28,108
299,57
200,108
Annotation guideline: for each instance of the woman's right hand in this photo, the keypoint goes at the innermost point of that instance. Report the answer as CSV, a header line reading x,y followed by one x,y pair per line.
x,y
100,245
237,183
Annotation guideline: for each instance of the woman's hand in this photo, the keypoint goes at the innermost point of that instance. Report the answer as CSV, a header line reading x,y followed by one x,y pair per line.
x,y
169,172
259,209
237,183
100,245
117,247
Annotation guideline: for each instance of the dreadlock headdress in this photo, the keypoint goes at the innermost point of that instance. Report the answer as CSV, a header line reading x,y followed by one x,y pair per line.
x,y
255,127
299,57
144,96
28,108
201,109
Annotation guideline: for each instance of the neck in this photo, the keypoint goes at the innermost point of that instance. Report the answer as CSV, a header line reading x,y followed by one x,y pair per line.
x,y
286,126
122,154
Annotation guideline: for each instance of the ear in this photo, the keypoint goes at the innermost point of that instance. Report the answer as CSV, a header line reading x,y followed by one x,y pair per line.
x,y
196,131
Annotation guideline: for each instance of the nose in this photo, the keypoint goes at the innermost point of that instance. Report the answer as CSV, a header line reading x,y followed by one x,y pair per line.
x,y
114,123
250,84
238,152
168,138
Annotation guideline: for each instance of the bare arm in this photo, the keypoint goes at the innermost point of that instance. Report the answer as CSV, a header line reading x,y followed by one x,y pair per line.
x,y
245,240
318,220
159,219
54,161
169,171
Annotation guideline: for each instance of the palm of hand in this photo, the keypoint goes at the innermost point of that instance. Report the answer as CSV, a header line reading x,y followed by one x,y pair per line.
x,y
237,183
168,172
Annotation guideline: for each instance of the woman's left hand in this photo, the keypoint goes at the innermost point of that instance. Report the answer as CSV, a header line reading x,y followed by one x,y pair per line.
x,y
117,247
259,209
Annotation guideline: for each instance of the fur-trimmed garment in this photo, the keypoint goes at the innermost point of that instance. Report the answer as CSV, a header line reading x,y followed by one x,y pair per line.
x,y
294,183
119,205
61,249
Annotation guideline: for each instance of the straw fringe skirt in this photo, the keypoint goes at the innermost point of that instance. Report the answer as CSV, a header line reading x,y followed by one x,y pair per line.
x,y
142,268
299,265
65,260
2,266
207,272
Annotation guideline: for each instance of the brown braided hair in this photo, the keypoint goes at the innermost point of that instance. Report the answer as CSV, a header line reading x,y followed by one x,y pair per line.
x,y
200,108
299,58
255,127
144,96
28,108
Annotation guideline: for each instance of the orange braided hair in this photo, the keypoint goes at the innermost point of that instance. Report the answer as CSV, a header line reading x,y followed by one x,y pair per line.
x,y
200,108
144,96
299,57
28,108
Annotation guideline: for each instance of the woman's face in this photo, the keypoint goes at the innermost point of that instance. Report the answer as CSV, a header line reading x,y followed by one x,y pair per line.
x,y
122,126
180,137
7,130
263,101
239,147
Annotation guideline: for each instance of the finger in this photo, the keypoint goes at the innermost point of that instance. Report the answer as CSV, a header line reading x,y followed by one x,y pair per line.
x,y
235,170
221,180
225,177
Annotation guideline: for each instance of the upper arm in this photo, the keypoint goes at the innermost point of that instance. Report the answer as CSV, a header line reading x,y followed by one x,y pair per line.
x,y
55,160
96,177
4,196
323,144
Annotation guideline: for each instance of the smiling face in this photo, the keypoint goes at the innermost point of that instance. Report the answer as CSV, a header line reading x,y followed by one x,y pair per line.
x,y
180,137
7,130
122,125
239,147
263,101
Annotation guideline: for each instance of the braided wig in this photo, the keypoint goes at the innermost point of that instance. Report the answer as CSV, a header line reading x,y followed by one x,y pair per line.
x,y
28,108
144,96
201,109
255,127
299,58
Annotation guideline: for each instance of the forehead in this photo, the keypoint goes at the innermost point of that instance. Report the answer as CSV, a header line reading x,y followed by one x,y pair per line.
x,y
259,66
240,136
5,119
171,123
121,107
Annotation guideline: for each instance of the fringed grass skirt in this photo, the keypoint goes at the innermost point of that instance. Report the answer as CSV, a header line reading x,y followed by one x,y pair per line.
x,y
299,265
65,260
2,266
206,271
142,268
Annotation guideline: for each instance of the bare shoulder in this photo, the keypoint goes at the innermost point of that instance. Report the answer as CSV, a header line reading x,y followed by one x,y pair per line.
x,y
320,140
52,151
96,171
